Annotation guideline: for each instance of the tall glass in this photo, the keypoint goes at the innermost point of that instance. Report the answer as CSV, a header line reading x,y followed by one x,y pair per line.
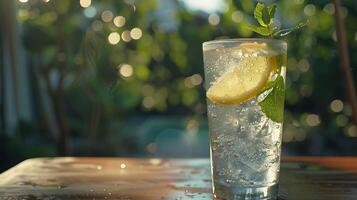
x,y
245,83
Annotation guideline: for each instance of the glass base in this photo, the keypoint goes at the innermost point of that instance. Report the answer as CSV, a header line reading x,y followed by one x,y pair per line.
x,y
224,192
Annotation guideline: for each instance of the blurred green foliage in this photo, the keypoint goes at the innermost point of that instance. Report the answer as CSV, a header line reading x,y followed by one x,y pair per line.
x,y
100,99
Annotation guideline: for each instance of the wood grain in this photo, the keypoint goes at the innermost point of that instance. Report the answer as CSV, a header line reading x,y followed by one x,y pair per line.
x,y
128,178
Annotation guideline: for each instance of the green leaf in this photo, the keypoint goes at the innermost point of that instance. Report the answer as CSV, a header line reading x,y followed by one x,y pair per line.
x,y
268,86
273,104
260,30
266,16
271,10
261,14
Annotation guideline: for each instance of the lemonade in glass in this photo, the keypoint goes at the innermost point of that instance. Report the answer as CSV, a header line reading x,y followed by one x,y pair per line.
x,y
245,83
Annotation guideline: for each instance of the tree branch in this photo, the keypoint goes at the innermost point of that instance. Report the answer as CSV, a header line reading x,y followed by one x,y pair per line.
x,y
344,61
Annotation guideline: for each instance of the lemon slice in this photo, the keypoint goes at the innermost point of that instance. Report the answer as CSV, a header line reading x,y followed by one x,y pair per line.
x,y
241,82
252,46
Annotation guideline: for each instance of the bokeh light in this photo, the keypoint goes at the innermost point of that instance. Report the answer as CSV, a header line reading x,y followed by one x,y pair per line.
x,y
119,21
85,3
90,12
341,120
193,80
213,19
309,10
351,131
136,33
237,16
114,38
299,2
126,70
148,102
300,135
313,120
126,36
196,79
107,16
23,1
336,105
329,8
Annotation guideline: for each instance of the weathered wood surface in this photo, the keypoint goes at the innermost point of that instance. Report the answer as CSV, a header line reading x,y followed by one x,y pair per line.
x,y
154,179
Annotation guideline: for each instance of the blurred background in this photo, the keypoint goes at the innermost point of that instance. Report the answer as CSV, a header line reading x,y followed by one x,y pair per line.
x,y
124,78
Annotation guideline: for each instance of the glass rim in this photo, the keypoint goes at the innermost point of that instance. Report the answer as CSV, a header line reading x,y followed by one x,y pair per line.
x,y
240,40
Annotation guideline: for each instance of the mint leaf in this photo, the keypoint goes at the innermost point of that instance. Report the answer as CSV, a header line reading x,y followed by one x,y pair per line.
x,y
266,16
271,10
280,61
260,30
261,14
273,104
268,86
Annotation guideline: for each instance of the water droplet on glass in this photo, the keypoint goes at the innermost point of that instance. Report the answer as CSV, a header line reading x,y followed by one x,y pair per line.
x,y
229,181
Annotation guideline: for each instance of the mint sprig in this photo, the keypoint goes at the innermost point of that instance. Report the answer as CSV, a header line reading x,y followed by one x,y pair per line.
x,y
273,104
265,17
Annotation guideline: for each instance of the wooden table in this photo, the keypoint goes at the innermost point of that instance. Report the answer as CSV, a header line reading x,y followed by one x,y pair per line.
x,y
304,178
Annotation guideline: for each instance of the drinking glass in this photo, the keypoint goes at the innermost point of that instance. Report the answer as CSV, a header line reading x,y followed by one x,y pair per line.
x,y
245,83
